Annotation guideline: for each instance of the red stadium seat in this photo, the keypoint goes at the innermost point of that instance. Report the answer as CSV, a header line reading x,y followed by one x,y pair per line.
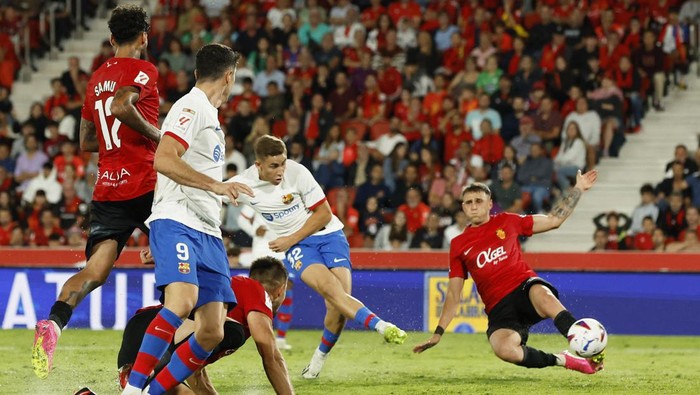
x,y
379,129
359,126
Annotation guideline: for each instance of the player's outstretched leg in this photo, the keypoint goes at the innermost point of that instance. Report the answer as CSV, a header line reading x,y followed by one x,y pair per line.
x,y
77,287
284,318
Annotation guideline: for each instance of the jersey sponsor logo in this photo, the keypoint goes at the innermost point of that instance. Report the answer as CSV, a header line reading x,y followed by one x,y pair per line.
x,y
280,214
183,267
286,199
491,256
216,155
142,78
501,234
113,177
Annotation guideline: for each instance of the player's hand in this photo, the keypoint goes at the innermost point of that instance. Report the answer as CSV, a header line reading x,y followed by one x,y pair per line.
x,y
232,190
146,257
281,244
260,232
584,182
432,342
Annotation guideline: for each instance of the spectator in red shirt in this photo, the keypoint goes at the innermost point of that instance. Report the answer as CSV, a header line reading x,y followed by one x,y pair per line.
x,y
490,146
643,240
68,157
106,52
372,102
59,97
611,52
7,225
405,9
46,230
167,79
554,49
415,210
389,79
633,39
372,13
346,213
453,58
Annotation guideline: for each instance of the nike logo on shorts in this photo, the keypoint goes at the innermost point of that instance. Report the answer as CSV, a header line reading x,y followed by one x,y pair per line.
x,y
336,260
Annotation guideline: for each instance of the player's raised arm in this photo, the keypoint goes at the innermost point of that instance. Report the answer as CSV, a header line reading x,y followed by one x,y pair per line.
x,y
260,326
168,162
124,109
454,291
561,211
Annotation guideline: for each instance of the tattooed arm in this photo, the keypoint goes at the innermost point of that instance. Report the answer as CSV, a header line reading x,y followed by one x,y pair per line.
x,y
88,136
561,211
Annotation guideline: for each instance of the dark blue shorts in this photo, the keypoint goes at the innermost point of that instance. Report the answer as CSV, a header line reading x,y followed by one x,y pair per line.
x,y
183,254
331,250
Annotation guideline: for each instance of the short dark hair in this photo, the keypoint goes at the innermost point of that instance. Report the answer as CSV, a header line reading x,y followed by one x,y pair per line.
x,y
128,22
646,188
269,146
269,271
214,60
477,187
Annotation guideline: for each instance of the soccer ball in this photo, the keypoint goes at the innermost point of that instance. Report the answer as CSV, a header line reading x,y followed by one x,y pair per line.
x,y
587,337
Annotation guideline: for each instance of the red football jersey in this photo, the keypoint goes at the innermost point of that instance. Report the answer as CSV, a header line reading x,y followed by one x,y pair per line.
x,y
491,254
251,296
125,165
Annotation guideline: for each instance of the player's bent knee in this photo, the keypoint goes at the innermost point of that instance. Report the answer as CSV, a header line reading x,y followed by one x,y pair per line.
x,y
209,336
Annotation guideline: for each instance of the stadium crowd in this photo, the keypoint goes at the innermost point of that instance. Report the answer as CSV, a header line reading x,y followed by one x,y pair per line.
x,y
394,106
667,217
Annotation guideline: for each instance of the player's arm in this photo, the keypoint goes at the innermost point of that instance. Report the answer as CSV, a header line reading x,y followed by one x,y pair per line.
x,y
168,161
124,109
449,309
88,136
200,383
260,326
561,211
321,216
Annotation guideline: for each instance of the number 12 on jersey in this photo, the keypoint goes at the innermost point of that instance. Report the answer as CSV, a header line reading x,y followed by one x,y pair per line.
x,y
111,136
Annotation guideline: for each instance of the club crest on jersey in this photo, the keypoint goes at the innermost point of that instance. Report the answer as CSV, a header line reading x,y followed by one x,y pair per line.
x,y
183,267
142,78
501,234
297,265
286,199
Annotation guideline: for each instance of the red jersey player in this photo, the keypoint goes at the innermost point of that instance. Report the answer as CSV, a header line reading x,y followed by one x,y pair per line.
x,y
514,297
119,120
258,298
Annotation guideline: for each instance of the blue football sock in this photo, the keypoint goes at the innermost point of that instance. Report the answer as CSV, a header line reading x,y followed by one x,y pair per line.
x,y
328,340
367,318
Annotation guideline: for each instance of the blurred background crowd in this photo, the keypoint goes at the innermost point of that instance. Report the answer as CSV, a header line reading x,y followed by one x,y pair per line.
x,y
395,106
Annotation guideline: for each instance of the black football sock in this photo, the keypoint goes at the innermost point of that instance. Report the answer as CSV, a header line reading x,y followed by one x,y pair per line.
x,y
563,322
60,313
534,358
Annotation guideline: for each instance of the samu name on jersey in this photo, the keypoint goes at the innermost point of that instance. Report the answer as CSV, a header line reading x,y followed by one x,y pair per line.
x,y
287,206
193,121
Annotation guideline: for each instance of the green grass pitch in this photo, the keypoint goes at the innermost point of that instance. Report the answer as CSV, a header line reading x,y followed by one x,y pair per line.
x,y
362,364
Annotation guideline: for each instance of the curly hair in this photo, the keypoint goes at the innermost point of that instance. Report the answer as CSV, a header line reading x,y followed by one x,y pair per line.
x,y
128,22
